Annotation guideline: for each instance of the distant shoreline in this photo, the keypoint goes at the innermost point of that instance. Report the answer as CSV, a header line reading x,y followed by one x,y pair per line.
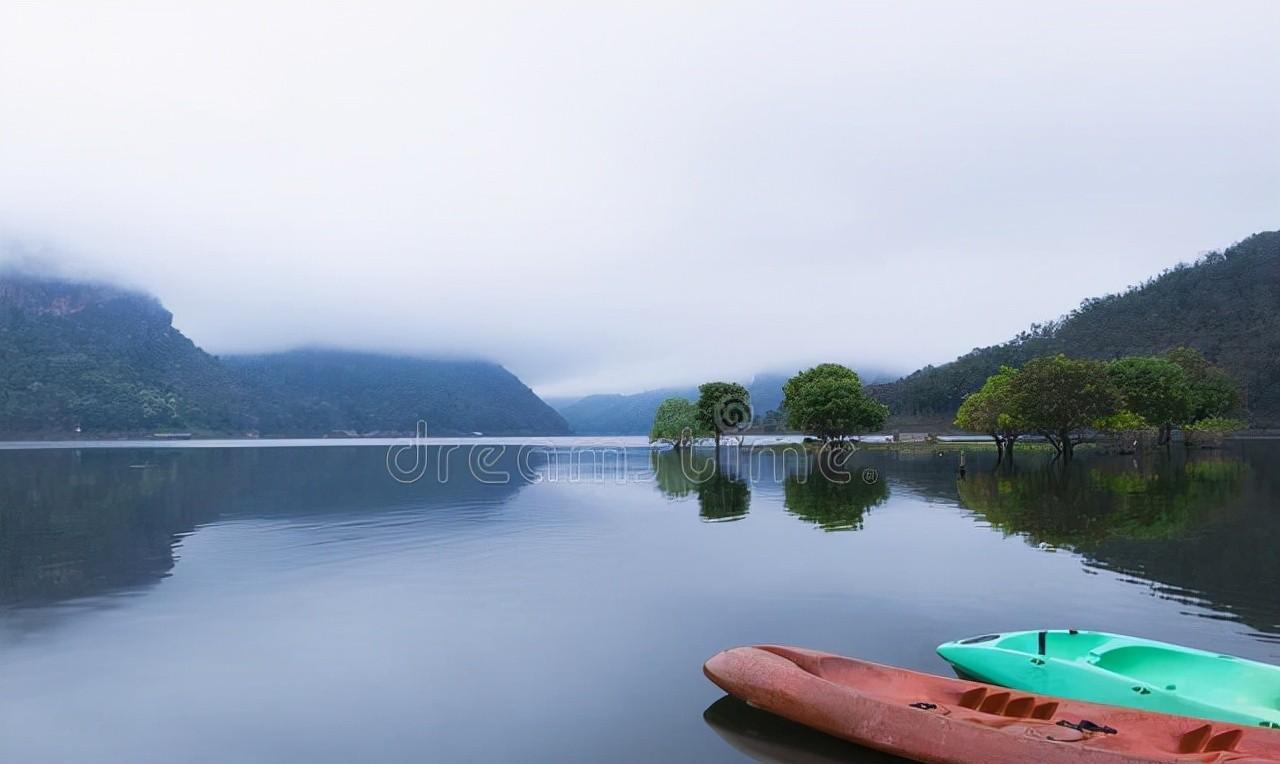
x,y
881,442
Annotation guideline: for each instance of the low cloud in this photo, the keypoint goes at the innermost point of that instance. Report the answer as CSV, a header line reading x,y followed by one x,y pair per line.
x,y
615,199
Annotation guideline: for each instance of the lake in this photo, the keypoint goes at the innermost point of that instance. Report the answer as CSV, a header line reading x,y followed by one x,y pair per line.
x,y
219,603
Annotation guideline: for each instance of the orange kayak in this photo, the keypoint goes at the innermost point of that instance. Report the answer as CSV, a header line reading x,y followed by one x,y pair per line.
x,y
939,720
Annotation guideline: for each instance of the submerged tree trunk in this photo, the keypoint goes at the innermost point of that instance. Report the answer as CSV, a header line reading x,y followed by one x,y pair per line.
x,y
1008,447
1068,447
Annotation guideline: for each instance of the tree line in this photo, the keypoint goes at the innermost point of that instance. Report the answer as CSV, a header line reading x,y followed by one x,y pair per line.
x,y
1067,399
827,402
1224,305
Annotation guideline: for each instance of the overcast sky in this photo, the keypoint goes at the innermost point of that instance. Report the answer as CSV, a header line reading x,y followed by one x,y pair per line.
x,y
609,197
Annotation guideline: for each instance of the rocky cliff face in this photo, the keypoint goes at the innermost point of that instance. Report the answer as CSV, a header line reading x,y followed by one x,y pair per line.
x,y
54,297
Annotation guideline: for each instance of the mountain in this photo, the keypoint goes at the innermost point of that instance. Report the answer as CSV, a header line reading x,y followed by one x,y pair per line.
x,y
307,391
1226,305
619,414
106,360
103,360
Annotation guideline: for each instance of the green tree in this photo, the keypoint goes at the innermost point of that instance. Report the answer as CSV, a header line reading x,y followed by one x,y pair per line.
x,y
1155,389
1213,392
1060,397
990,410
828,402
676,421
723,407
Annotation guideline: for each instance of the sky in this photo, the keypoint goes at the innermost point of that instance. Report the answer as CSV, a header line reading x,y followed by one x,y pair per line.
x,y
611,197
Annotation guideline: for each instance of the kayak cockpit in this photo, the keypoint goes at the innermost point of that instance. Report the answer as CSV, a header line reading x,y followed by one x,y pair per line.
x,y
1125,671
1063,645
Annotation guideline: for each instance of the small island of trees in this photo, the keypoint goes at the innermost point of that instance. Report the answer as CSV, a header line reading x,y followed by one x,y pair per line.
x,y
827,402
1136,398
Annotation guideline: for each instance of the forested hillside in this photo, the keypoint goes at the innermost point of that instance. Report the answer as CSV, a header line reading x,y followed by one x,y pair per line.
x,y
1226,305
102,360
306,391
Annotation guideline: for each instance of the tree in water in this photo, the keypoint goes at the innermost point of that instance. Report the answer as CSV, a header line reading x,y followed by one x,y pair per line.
x,y
676,422
1155,389
990,411
723,407
828,402
1061,398
1213,392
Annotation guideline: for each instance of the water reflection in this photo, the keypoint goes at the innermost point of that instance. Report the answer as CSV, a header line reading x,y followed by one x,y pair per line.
x,y
763,737
723,493
83,523
828,491
1086,503
75,524
298,570
1199,527
723,496
831,500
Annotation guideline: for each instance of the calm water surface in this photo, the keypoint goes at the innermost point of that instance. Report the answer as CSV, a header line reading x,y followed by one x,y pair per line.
x,y
300,605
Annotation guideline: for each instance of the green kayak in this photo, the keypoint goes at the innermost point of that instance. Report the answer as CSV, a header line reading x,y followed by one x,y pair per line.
x,y
1123,671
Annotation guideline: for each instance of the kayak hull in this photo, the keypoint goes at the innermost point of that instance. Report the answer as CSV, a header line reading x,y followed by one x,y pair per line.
x,y
938,720
1123,671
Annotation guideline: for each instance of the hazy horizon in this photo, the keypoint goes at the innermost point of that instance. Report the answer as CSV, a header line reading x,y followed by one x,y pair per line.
x,y
610,200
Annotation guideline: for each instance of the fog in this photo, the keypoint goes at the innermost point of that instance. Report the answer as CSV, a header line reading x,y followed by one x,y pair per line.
x,y
613,199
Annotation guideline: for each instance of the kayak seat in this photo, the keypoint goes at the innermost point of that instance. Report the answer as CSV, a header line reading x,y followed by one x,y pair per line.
x,y
1004,704
1202,740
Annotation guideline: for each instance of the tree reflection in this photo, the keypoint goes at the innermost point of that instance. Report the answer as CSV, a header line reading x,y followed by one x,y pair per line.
x,y
1084,505
723,497
832,496
1202,530
722,493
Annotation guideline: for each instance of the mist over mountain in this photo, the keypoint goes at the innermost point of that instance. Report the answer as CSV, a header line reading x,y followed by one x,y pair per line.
x,y
101,359
305,391
97,359
1226,305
